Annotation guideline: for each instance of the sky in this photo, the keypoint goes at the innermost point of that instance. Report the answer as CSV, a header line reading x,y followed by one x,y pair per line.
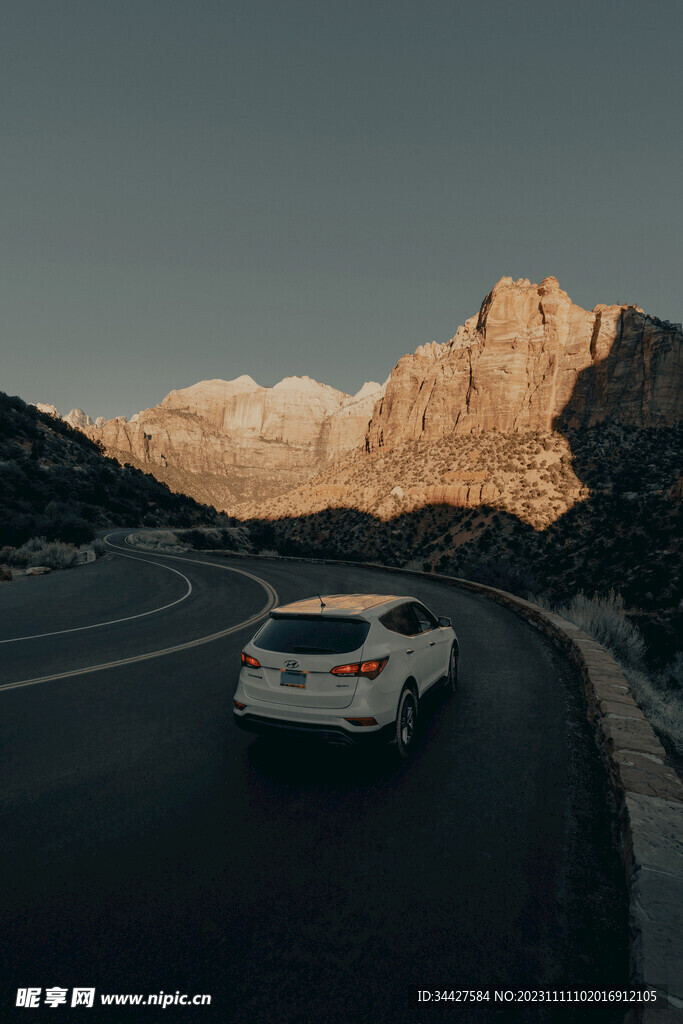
x,y
196,189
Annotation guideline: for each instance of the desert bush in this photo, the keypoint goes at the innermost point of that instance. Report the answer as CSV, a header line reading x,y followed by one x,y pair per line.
x,y
99,547
31,545
38,551
56,555
605,619
659,694
663,707
159,540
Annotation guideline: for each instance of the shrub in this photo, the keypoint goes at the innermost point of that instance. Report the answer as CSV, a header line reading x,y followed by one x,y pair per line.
x,y
38,551
57,555
658,694
605,619
159,540
31,545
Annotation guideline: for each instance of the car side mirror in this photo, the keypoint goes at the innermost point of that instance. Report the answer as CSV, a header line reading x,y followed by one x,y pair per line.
x,y
444,621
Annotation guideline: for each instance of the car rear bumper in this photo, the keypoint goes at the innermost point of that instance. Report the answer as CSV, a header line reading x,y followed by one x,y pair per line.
x,y
264,725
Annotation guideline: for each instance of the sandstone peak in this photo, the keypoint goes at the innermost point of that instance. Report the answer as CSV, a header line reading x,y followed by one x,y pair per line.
x,y
431,350
371,387
214,388
365,398
305,383
529,360
77,418
48,408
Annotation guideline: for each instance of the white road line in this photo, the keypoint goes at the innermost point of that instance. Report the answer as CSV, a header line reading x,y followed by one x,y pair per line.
x,y
270,603
113,622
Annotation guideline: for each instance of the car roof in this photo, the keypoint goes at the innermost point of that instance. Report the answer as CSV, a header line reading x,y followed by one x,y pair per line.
x,y
342,604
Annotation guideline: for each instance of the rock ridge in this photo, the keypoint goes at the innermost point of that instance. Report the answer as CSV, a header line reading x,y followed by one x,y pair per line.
x,y
256,440
529,360
533,360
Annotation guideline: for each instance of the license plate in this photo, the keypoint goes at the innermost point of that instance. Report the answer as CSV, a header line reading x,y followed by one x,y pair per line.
x,y
297,679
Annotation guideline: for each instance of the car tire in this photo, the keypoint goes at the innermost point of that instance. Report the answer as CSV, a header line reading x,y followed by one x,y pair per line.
x,y
406,723
451,684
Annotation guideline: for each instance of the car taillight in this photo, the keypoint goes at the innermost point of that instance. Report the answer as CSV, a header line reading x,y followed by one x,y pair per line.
x,y
368,669
346,670
248,660
239,705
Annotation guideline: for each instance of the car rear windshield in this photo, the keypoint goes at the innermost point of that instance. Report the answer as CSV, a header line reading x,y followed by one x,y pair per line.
x,y
312,635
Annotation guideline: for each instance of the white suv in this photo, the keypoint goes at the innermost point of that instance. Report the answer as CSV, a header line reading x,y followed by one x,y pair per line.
x,y
347,668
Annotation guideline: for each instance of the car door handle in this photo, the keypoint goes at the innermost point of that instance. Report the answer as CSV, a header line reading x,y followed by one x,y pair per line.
x,y
432,643
410,651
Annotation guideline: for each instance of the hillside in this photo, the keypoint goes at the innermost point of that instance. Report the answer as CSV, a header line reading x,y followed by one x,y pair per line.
x,y
56,483
227,441
597,510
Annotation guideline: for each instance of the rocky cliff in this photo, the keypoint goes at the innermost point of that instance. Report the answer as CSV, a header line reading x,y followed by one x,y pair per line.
x,y
532,360
229,440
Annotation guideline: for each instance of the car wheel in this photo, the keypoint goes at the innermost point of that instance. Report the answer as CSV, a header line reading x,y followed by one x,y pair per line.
x,y
406,723
452,677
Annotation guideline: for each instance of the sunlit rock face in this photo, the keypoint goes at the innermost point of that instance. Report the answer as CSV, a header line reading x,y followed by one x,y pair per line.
x,y
47,407
78,419
259,439
532,360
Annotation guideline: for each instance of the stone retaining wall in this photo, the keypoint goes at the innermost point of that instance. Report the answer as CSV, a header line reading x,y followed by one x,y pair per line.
x,y
649,800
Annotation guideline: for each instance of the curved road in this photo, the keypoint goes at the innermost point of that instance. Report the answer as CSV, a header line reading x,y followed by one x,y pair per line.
x,y
149,846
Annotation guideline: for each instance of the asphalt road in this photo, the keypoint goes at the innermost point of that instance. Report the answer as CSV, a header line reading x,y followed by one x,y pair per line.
x,y
149,846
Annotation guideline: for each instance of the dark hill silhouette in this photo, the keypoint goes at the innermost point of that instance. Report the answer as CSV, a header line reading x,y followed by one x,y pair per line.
x,y
56,483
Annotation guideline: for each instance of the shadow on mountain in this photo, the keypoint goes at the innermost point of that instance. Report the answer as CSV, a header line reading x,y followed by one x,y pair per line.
x,y
637,383
619,423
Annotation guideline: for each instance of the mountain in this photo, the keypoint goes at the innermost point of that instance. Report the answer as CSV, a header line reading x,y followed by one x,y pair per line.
x,y
228,441
529,360
57,483
532,360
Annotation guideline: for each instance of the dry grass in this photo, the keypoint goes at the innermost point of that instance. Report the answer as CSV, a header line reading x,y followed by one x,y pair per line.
x,y
157,540
659,694
39,551
605,619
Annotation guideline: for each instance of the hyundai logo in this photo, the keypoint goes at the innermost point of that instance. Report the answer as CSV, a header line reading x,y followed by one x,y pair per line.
x,y
291,664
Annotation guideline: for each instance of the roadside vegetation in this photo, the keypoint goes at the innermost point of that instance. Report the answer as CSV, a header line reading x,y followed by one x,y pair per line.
x,y
227,539
659,693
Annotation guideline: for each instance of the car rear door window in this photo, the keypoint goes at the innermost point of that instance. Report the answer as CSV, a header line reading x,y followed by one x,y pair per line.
x,y
311,635
401,619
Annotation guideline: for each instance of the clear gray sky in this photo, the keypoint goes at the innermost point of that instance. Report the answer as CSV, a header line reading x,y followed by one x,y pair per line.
x,y
204,188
